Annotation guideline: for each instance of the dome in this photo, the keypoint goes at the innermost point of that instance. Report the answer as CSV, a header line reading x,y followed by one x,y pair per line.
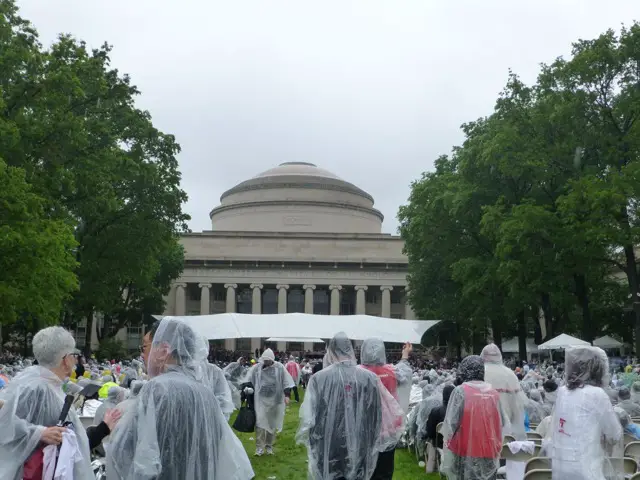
x,y
296,196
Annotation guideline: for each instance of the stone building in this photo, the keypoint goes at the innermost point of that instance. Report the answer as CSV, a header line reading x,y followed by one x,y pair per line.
x,y
295,238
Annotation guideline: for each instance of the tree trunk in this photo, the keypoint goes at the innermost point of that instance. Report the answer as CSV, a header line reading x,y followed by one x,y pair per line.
x,y
88,334
522,335
548,315
496,328
632,278
582,293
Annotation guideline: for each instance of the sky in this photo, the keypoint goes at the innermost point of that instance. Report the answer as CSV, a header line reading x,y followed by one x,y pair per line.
x,y
373,91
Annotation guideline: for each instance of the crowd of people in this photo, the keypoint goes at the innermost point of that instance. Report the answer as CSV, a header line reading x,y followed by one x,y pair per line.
x,y
166,415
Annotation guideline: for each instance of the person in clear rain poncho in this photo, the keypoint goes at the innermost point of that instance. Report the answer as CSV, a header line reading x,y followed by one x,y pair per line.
x,y
512,398
271,386
472,429
635,392
115,396
585,431
625,403
175,430
347,417
33,401
216,380
397,380
534,407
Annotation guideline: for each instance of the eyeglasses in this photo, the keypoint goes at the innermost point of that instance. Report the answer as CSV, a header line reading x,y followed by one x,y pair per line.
x,y
143,347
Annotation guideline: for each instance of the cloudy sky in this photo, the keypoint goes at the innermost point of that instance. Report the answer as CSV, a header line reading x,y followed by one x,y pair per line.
x,y
371,90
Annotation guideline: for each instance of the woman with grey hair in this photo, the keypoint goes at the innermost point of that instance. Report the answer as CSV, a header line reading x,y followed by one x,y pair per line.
x,y
33,401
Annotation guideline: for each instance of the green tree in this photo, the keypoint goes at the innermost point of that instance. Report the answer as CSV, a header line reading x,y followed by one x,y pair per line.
x,y
36,254
99,165
602,80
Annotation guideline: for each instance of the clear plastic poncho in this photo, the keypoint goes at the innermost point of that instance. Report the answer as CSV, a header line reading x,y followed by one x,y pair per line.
x,y
347,417
635,392
625,403
425,407
585,430
472,429
130,374
512,398
269,379
373,354
235,372
33,400
176,430
534,407
115,396
215,379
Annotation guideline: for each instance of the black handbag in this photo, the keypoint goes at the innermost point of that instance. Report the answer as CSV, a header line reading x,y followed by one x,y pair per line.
x,y
246,420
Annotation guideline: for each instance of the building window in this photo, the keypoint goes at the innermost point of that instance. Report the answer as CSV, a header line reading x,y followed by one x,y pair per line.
x,y
319,347
348,301
218,293
81,336
134,337
396,315
243,344
244,301
372,296
193,292
320,302
269,300
295,347
295,301
397,296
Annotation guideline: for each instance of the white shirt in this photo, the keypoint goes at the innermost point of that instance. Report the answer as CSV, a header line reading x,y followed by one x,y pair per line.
x,y
582,419
69,454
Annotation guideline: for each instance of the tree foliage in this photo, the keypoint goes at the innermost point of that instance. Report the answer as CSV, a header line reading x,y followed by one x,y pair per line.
x,y
69,122
536,214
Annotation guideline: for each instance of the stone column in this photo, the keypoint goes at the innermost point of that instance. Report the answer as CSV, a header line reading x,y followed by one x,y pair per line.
x,y
231,297
409,314
230,343
181,299
335,299
308,308
308,298
256,299
256,309
282,298
255,343
204,298
386,300
361,299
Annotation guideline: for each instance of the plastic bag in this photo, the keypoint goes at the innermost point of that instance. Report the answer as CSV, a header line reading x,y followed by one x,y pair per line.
x,y
246,420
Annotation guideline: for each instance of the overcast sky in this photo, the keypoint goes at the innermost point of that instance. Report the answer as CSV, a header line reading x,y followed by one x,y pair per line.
x,y
371,90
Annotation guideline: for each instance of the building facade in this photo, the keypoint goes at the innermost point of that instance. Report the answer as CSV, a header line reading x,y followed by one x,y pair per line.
x,y
295,238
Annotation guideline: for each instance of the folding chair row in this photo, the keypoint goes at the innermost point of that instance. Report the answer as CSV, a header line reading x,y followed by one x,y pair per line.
x,y
539,474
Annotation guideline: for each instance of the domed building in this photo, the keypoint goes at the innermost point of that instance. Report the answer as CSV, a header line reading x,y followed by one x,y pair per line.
x,y
294,238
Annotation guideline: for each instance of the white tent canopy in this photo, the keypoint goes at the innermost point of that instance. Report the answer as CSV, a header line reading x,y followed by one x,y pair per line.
x,y
607,342
511,346
296,340
304,325
561,342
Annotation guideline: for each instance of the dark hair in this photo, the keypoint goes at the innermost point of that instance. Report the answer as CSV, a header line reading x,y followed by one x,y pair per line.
x,y
154,328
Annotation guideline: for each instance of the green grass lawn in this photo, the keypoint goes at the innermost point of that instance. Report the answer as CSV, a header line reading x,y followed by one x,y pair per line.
x,y
290,460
